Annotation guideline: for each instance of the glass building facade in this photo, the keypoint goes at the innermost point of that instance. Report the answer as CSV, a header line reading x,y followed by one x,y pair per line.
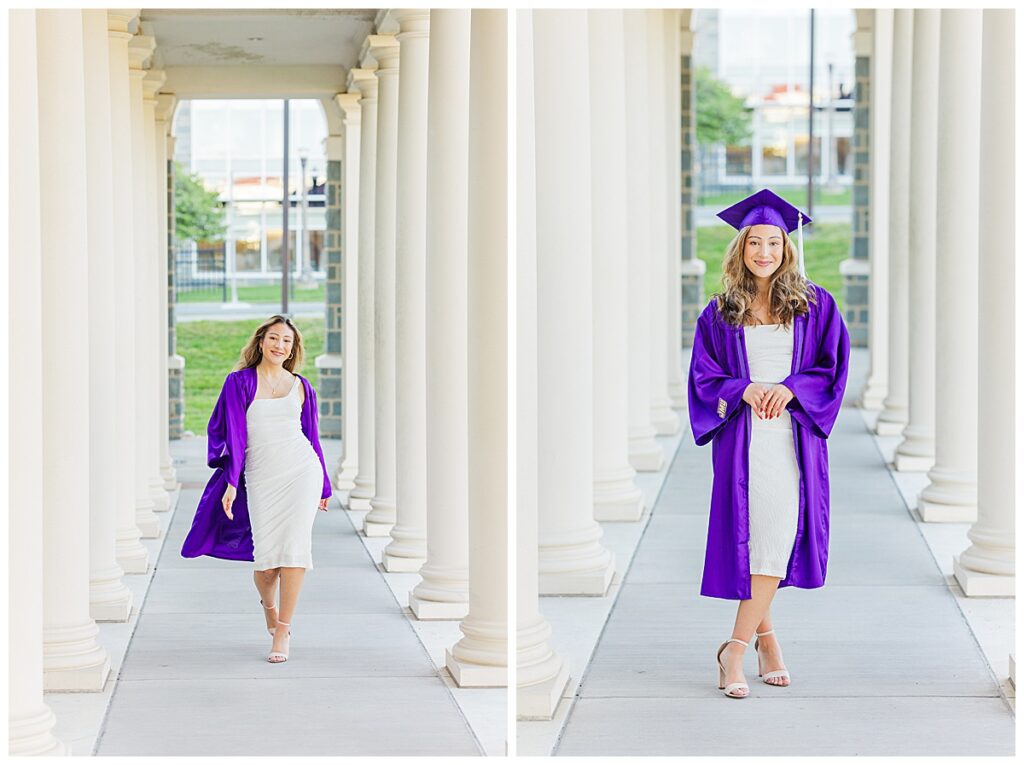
x,y
236,147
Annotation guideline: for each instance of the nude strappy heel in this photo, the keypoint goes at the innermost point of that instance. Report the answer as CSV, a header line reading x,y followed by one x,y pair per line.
x,y
277,657
766,676
732,690
267,608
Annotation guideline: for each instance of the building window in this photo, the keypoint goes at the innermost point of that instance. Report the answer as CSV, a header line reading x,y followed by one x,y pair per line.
x,y
738,160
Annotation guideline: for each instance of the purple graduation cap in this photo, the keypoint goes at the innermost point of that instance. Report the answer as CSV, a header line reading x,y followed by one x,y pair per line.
x,y
768,208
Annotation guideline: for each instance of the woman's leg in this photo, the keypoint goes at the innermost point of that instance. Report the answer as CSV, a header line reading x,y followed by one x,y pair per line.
x,y
291,585
750,614
769,647
266,585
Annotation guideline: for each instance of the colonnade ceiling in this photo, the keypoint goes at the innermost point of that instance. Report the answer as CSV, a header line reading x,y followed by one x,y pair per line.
x,y
257,53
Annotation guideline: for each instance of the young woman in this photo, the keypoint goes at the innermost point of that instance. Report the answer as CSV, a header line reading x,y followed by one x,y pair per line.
x,y
767,375
270,476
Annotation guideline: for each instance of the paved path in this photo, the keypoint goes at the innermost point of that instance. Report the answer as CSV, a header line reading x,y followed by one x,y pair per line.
x,y
195,680
216,311
882,660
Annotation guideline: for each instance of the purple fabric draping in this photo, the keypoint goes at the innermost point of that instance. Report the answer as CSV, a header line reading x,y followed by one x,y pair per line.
x,y
718,377
212,533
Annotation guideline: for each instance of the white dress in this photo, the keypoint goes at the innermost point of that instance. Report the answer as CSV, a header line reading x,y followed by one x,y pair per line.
x,y
283,482
774,481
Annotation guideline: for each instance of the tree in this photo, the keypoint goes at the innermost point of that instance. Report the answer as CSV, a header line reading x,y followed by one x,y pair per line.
x,y
198,213
721,116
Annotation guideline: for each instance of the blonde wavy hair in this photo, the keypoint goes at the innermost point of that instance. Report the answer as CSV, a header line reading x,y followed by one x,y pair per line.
x,y
252,355
789,293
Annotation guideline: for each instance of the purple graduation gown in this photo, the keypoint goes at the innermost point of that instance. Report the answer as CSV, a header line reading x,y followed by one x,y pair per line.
x,y
212,533
718,376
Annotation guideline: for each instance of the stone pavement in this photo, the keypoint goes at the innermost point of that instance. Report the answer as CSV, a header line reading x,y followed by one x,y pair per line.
x,y
216,311
195,680
882,660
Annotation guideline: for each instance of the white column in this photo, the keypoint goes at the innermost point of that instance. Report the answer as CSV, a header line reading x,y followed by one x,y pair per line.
x,y
572,559
987,567
541,674
109,598
408,547
917,450
665,421
29,719
443,591
893,417
644,452
364,82
151,256
380,519
952,494
616,496
140,48
879,46
673,211
164,114
72,659
131,554
349,155
480,658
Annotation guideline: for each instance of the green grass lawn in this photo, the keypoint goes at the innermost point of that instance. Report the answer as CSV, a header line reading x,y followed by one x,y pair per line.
x,y
793,195
261,293
211,349
823,251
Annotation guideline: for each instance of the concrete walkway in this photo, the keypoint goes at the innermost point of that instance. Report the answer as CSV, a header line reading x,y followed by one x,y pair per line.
x,y
216,311
882,660
195,680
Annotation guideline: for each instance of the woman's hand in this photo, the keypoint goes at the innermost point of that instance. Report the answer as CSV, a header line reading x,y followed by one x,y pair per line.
x,y
776,400
323,503
754,395
229,500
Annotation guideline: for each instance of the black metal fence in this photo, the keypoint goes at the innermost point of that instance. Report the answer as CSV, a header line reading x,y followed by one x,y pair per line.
x,y
201,270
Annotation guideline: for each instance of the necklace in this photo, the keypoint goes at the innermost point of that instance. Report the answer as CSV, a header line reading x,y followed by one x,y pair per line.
x,y
273,387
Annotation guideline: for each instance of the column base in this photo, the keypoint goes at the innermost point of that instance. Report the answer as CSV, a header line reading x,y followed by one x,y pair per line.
x,y
619,506
132,556
664,420
158,494
912,463
874,394
33,735
469,675
148,523
677,395
109,599
345,478
362,492
951,497
891,422
73,660
540,700
594,582
978,584
397,564
170,476
645,455
437,610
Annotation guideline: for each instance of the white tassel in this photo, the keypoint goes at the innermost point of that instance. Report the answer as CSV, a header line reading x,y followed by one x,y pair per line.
x,y
800,242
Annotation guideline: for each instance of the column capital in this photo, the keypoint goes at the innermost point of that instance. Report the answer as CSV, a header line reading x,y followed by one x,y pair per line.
x,y
413,22
119,19
384,50
363,82
384,22
350,107
153,80
863,42
165,103
334,147
140,50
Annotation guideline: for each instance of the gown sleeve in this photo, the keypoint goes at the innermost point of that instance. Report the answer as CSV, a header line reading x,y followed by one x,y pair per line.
x,y
226,430
311,427
818,390
714,395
